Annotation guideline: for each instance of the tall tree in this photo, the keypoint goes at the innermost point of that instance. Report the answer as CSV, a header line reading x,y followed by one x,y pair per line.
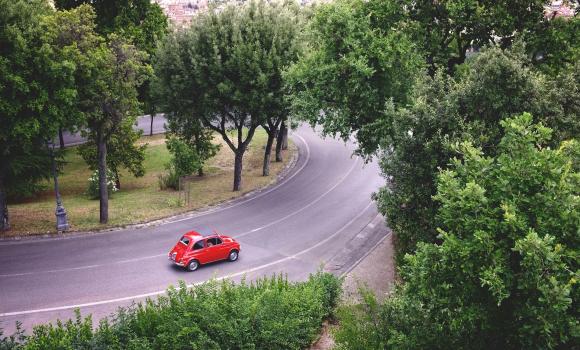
x,y
224,71
121,152
143,23
284,24
37,93
358,59
108,97
493,85
171,85
505,273
446,30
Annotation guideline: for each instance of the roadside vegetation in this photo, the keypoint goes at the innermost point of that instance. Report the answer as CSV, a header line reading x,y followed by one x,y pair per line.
x,y
141,199
269,313
471,108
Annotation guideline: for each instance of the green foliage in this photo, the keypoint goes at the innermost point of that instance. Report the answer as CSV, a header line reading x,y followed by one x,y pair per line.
x,y
506,272
557,45
445,30
36,94
495,84
93,187
140,21
357,60
270,313
184,162
224,71
122,152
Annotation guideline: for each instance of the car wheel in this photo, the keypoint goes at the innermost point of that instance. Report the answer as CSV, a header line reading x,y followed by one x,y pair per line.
x,y
233,255
193,265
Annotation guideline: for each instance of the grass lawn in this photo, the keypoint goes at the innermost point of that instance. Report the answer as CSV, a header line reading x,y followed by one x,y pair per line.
x,y
140,199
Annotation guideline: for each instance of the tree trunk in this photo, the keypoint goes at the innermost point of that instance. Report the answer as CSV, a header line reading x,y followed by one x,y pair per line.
x,y
200,171
61,138
238,168
152,116
266,167
117,181
284,131
279,144
4,220
103,190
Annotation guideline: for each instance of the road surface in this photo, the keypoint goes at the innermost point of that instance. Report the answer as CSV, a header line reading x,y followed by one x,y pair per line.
x,y
143,123
316,215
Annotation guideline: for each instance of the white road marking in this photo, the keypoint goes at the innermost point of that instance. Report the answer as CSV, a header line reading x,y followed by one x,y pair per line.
x,y
145,295
208,212
236,236
304,207
83,267
259,194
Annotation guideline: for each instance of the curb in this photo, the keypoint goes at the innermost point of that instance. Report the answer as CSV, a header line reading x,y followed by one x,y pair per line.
x,y
337,264
168,219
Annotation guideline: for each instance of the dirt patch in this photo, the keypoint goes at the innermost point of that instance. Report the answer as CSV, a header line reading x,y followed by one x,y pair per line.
x,y
376,272
325,341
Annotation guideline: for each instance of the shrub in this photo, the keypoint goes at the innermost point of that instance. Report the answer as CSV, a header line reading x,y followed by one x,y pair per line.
x,y
93,188
505,275
270,313
184,161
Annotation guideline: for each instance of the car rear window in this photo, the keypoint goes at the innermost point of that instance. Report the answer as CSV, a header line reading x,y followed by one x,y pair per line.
x,y
184,240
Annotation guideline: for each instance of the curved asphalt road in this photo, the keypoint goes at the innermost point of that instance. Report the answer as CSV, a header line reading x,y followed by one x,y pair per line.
x,y
315,215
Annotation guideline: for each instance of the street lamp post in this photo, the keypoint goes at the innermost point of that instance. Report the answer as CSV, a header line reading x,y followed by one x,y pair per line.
x,y
61,218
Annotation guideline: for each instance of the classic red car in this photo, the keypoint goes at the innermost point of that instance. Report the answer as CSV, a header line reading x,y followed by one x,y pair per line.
x,y
200,247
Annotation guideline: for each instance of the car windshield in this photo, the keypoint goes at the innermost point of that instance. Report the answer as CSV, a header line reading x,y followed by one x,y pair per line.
x,y
184,240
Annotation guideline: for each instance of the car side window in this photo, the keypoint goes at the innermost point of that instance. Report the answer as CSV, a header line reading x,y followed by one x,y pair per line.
x,y
198,245
213,241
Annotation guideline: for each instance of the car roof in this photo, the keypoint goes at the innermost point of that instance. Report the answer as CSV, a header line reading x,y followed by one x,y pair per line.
x,y
200,232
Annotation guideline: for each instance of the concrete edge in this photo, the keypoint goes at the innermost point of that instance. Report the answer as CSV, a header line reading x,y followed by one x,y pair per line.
x,y
167,219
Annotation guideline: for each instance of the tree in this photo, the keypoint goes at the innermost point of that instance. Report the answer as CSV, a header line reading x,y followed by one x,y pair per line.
x,y
121,152
36,94
172,92
557,46
224,71
505,274
142,22
495,84
108,98
285,24
446,30
358,59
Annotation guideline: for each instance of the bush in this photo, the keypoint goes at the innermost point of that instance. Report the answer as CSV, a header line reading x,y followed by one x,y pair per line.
x,y
505,275
270,313
93,189
184,161
169,180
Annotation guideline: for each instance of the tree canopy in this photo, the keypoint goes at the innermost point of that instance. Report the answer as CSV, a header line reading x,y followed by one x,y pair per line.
x,y
505,272
225,71
358,58
495,84
37,93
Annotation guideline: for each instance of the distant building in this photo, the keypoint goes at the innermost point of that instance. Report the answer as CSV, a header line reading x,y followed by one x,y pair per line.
x,y
180,12
559,9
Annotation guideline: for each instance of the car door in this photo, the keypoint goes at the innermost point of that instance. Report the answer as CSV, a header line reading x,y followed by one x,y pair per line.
x,y
199,251
215,249
222,249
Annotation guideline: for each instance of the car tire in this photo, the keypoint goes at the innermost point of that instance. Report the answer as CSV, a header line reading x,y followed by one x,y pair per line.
x,y
193,265
234,255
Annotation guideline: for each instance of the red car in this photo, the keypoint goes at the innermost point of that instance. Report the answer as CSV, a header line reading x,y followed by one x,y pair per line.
x,y
195,249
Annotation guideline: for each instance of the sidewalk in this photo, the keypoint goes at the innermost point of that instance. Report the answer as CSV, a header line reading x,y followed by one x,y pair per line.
x,y
376,271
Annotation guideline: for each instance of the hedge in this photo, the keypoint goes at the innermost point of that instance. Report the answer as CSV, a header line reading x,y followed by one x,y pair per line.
x,y
270,313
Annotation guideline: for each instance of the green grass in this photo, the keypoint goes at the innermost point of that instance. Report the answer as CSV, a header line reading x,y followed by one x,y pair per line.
x,y
140,199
